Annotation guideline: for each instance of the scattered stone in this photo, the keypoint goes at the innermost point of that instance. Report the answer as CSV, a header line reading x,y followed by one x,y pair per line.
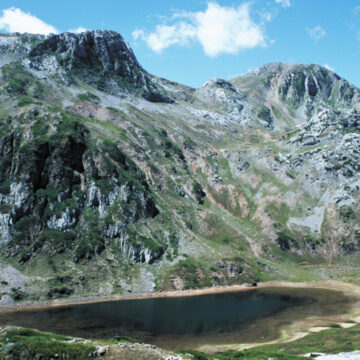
x,y
101,351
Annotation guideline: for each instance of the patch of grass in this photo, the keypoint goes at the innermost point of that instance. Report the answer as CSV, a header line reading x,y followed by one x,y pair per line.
x,y
198,192
278,212
25,223
58,241
91,241
90,97
17,294
5,208
192,273
347,213
330,341
25,102
5,187
252,354
33,344
285,241
65,204
21,82
50,192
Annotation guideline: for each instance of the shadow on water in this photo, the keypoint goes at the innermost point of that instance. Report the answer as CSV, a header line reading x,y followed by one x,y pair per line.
x,y
183,322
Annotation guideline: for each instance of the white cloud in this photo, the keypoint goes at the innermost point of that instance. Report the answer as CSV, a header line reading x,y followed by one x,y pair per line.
x,y
228,30
16,20
284,3
164,35
78,30
219,30
316,32
327,66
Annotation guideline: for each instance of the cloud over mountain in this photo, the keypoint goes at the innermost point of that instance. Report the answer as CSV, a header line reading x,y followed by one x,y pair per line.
x,y
219,30
16,20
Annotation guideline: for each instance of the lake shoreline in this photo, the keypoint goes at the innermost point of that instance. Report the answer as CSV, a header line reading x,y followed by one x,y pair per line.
x,y
293,330
348,289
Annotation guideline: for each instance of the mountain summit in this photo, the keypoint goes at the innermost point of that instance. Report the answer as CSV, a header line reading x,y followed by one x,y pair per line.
x,y
114,180
100,58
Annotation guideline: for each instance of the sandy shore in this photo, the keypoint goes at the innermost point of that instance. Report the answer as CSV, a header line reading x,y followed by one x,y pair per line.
x,y
348,289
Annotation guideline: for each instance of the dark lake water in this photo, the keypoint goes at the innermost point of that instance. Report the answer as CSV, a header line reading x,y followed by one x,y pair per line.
x,y
248,316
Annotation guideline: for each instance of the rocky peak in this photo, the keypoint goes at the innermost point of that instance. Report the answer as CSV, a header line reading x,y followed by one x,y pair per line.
x,y
99,48
298,84
217,83
222,94
101,58
307,82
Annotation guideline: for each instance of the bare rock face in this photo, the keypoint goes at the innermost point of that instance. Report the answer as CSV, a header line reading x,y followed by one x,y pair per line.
x,y
101,58
222,94
64,187
90,48
104,51
295,91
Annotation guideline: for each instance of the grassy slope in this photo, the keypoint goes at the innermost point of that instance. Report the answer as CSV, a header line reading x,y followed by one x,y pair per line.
x,y
17,341
330,341
21,343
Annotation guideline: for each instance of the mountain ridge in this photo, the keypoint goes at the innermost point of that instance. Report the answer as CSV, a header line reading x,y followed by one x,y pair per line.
x,y
121,181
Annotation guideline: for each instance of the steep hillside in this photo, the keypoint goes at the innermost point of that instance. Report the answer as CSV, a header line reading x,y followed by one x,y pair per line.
x,y
113,180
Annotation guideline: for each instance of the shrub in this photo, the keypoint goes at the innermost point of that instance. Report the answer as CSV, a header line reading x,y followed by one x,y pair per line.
x,y
5,187
285,242
198,192
89,97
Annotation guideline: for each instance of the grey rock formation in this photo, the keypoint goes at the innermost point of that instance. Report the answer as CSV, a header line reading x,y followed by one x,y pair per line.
x,y
223,183
222,95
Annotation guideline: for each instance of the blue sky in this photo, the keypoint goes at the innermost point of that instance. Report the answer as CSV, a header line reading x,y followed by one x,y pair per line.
x,y
191,41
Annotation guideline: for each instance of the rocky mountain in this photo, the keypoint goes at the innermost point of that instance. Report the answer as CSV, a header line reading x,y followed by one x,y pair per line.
x,y
114,180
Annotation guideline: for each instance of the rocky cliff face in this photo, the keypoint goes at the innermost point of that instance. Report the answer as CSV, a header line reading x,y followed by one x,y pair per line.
x,y
102,189
298,91
100,58
65,190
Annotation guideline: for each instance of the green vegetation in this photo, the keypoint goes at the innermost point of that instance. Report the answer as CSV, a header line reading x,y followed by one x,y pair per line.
x,y
330,341
5,208
50,192
245,355
17,294
20,82
65,204
192,272
5,187
265,114
286,242
25,223
18,343
57,241
91,241
90,97
32,344
198,192
347,213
